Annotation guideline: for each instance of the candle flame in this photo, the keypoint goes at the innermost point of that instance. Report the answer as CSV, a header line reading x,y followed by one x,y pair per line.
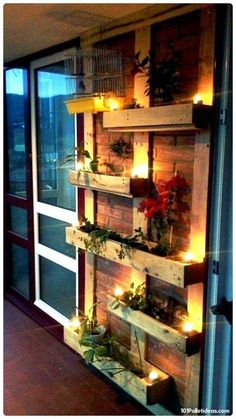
x,y
197,98
118,292
140,171
153,375
79,165
187,327
75,323
189,256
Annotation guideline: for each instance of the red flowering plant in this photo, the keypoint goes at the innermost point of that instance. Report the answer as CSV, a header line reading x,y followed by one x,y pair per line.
x,y
164,210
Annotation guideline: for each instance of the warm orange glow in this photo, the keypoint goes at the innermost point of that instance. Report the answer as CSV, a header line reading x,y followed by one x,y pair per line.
x,y
187,327
197,98
198,246
189,257
140,171
75,323
118,292
153,376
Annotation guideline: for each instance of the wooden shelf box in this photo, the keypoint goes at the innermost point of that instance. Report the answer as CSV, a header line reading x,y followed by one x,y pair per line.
x,y
169,270
188,344
183,116
119,185
140,388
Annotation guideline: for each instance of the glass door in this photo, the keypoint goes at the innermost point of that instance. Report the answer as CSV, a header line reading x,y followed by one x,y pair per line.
x,y
18,221
53,138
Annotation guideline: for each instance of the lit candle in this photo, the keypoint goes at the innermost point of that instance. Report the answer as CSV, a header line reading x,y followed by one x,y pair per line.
x,y
75,323
197,99
187,327
79,165
118,292
153,376
140,171
188,257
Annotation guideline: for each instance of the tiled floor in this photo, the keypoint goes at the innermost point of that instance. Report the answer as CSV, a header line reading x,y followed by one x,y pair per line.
x,y
44,377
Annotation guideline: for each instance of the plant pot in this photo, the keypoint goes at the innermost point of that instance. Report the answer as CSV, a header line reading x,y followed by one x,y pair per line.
x,y
98,334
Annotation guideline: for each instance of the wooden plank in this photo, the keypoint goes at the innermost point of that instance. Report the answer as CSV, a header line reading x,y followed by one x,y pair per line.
x,y
130,187
186,343
200,195
89,213
186,114
172,271
141,388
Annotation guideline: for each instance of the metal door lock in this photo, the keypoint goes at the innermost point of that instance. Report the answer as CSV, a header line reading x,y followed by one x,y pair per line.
x,y
224,308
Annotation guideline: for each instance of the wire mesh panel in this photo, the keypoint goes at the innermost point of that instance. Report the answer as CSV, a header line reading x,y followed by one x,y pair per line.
x,y
94,72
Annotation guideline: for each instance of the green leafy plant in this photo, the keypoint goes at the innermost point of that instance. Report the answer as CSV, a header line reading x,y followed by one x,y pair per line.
x,y
121,148
94,163
162,76
134,298
133,105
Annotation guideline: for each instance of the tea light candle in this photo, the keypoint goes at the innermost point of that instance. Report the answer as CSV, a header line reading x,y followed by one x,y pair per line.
x,y
152,376
79,165
140,171
118,292
197,99
187,327
75,323
188,257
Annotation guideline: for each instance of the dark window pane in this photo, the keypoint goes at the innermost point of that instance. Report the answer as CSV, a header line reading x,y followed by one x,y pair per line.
x,y
16,130
19,220
55,130
52,234
20,270
57,287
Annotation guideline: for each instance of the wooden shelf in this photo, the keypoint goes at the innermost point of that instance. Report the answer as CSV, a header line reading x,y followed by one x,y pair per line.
x,y
140,388
183,116
188,344
119,185
169,270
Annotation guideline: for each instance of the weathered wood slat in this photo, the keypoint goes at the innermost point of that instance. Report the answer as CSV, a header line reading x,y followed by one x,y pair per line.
x,y
183,114
148,393
172,271
188,344
130,187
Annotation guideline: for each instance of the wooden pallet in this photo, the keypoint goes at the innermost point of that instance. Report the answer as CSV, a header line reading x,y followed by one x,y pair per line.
x,y
169,270
142,389
186,343
186,116
119,185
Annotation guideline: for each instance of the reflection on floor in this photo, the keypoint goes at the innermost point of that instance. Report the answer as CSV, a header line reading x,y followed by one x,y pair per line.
x,y
44,377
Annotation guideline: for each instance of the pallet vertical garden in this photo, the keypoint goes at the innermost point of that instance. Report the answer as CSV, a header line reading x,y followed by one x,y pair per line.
x,y
178,138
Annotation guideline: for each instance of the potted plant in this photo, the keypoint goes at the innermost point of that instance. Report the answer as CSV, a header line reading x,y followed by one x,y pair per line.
x,y
162,75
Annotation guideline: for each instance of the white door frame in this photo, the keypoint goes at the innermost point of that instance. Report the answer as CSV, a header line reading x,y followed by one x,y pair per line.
x,y
45,209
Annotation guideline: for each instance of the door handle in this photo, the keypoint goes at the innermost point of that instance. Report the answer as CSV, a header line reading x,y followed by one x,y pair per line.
x,y
224,308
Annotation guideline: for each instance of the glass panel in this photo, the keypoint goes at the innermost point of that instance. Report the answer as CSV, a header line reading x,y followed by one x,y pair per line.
x,y
52,234
19,220
55,129
20,270
57,287
16,130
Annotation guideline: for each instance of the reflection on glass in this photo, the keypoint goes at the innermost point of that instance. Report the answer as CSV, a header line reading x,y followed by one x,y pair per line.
x,y
52,234
16,130
20,270
19,221
57,287
55,137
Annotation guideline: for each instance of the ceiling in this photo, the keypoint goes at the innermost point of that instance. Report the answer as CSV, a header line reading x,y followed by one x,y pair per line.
x,y
29,28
